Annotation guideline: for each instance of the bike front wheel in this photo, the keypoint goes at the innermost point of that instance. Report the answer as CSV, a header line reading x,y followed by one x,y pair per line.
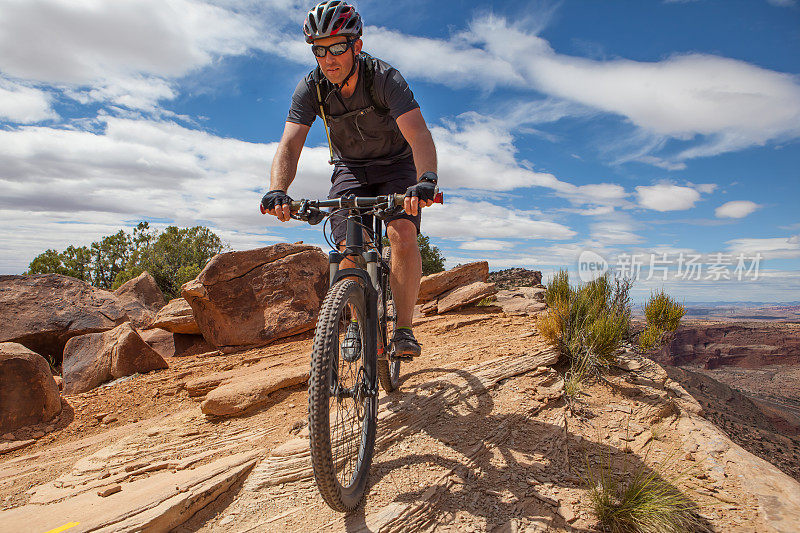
x,y
342,411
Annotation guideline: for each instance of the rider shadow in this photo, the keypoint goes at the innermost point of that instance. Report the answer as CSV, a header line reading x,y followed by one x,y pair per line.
x,y
500,488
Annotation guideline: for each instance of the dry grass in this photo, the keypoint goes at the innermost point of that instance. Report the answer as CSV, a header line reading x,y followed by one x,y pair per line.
x,y
643,501
662,312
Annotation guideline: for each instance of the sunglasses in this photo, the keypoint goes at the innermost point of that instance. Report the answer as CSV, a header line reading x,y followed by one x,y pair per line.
x,y
335,49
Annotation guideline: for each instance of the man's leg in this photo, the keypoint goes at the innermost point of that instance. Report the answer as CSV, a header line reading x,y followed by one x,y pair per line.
x,y
406,268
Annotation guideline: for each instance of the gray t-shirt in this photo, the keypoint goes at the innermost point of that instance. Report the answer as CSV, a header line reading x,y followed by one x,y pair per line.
x,y
360,139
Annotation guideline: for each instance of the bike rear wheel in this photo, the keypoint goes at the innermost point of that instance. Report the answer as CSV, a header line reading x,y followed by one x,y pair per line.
x,y
388,367
341,414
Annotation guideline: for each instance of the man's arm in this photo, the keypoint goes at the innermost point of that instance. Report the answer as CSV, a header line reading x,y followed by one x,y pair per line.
x,y
413,127
284,165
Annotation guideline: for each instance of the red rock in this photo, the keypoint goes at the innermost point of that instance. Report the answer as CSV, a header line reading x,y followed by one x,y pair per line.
x,y
437,284
177,317
256,296
462,296
90,360
28,393
141,299
43,311
521,301
240,396
169,344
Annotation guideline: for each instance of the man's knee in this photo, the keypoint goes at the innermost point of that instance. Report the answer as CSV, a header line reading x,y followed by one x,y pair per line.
x,y
402,233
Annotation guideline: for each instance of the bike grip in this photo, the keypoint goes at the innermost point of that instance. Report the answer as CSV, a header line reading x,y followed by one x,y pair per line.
x,y
439,198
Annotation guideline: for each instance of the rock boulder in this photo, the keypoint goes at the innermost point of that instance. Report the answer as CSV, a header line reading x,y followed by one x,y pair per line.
x,y
433,286
521,300
461,297
141,299
256,296
43,311
169,344
28,393
177,317
90,360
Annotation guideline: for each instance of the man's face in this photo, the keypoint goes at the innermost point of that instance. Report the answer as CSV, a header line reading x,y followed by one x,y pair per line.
x,y
336,68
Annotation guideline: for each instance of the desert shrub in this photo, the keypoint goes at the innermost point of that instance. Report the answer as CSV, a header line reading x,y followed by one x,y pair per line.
x,y
663,315
650,338
587,323
662,312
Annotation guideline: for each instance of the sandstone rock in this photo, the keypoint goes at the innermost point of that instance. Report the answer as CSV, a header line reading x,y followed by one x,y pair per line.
x,y
521,301
59,382
236,397
28,393
461,296
169,344
90,360
253,297
141,299
144,290
43,311
512,278
436,284
176,317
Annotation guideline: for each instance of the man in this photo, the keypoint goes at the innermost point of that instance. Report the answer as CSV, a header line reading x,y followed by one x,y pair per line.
x,y
378,140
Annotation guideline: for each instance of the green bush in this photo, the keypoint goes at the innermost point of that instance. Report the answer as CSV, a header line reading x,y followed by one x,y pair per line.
x,y
588,322
650,338
662,312
173,257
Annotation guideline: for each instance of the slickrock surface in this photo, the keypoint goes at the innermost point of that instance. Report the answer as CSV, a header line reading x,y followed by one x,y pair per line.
x,y
478,438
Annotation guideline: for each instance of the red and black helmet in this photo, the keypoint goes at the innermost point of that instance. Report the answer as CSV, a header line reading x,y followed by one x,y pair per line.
x,y
332,17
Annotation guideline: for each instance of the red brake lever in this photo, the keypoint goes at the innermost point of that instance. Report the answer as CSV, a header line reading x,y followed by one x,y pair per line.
x,y
263,211
439,198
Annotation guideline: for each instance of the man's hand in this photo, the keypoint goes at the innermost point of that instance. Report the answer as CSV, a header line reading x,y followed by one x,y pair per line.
x,y
420,195
277,203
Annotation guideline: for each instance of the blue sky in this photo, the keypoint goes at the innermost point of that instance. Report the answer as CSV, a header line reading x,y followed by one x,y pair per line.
x,y
625,129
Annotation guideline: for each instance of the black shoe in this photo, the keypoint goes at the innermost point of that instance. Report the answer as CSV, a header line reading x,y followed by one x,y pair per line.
x,y
404,345
351,345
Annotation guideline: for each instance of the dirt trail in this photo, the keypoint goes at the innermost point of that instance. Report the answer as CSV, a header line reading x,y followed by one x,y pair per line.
x,y
479,438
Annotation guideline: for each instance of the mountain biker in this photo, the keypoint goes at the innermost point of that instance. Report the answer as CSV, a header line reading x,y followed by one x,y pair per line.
x,y
379,144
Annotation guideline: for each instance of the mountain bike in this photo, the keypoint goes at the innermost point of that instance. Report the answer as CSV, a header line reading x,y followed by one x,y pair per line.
x,y
352,349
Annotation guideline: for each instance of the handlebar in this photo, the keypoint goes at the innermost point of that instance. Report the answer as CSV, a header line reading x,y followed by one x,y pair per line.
x,y
350,202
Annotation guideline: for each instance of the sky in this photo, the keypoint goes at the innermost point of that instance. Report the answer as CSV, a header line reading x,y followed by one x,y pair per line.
x,y
658,140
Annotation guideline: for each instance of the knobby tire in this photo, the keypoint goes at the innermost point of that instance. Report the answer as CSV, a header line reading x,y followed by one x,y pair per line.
x,y
334,454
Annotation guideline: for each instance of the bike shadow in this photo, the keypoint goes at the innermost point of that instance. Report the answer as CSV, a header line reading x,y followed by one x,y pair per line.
x,y
521,462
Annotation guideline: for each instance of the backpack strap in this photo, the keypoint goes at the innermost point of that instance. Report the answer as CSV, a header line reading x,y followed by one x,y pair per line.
x,y
369,82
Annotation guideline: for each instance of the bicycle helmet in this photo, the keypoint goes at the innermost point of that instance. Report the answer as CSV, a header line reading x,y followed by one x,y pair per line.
x,y
332,17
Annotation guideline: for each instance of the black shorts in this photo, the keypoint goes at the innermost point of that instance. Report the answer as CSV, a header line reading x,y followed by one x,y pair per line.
x,y
388,179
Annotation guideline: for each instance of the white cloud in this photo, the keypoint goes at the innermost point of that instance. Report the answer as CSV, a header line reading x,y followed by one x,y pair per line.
x,y
460,219
614,232
57,182
129,52
783,3
22,104
731,104
773,248
736,209
667,197
486,244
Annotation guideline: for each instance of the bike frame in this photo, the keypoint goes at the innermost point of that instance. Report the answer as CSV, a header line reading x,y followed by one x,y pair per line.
x,y
354,246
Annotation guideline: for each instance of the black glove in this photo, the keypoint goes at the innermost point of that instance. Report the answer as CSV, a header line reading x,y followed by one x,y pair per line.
x,y
275,198
425,189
